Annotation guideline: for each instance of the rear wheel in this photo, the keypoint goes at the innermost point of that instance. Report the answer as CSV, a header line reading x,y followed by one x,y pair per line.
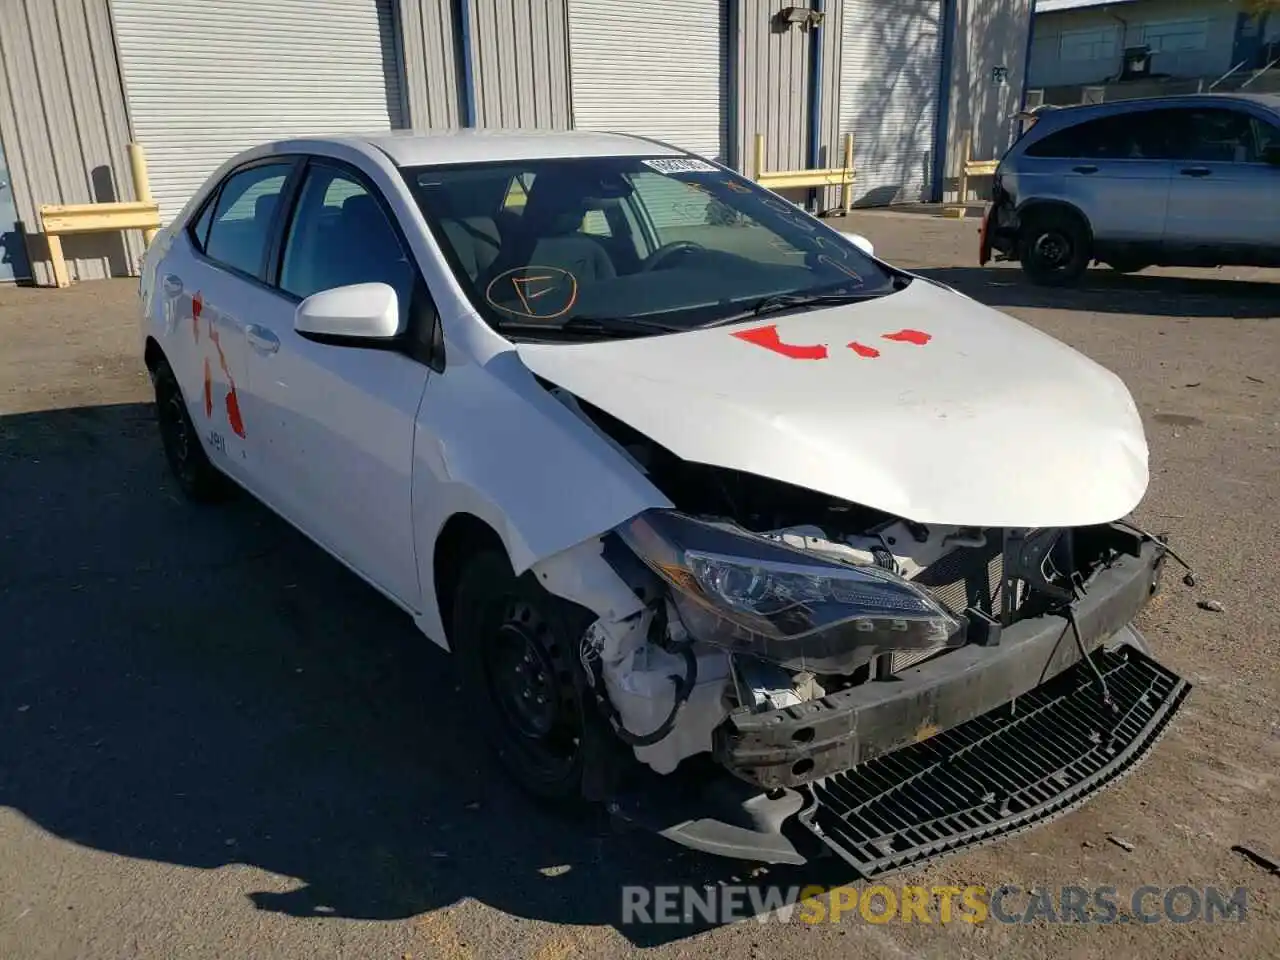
x,y
517,647
198,479
1054,248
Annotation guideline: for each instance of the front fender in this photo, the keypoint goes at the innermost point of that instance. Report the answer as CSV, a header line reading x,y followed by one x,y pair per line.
x,y
492,442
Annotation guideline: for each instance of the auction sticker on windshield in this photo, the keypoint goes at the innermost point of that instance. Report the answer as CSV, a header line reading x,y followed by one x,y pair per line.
x,y
680,165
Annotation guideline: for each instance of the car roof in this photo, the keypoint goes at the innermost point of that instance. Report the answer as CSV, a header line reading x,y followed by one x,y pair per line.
x,y
1072,112
1051,121
413,148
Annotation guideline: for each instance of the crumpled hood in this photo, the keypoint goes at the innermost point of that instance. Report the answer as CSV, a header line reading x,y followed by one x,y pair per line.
x,y
924,404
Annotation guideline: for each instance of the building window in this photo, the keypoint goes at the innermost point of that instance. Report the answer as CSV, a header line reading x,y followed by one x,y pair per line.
x,y
1174,36
1098,43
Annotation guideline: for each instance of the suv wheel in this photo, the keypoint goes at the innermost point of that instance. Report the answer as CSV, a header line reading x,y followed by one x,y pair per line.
x,y
1053,247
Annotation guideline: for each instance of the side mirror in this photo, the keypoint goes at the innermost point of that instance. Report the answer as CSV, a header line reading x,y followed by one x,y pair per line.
x,y
352,315
862,243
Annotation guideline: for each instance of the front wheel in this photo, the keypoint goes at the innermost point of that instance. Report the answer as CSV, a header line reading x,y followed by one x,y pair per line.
x,y
518,651
1053,248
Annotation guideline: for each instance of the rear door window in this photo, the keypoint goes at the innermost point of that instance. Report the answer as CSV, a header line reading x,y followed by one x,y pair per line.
x,y
1124,136
243,216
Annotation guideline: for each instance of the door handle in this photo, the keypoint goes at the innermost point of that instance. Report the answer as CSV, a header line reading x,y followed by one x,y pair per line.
x,y
261,339
1085,168
1196,171
172,285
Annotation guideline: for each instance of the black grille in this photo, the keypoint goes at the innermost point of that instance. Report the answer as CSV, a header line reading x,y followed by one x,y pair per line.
x,y
1025,762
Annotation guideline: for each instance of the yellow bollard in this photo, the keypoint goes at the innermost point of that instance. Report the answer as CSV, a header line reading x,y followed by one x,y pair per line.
x,y
847,190
141,185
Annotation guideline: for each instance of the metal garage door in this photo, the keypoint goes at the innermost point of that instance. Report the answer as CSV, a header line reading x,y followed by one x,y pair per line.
x,y
651,67
206,78
890,70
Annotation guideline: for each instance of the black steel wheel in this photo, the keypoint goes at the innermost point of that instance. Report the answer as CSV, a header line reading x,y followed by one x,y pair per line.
x,y
518,651
198,479
1054,248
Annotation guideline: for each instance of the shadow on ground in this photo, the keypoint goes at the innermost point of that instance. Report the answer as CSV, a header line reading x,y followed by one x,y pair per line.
x,y
1103,291
203,686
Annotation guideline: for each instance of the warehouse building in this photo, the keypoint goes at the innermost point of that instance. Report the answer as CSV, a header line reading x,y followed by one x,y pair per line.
x,y
1084,42
194,81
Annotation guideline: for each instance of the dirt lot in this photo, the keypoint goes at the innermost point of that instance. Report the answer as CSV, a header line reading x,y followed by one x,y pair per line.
x,y
216,742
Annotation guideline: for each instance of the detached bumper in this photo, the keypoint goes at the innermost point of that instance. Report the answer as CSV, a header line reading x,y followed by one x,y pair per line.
x,y
973,745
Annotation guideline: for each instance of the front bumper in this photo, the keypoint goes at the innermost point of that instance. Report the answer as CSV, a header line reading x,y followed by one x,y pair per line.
x,y
964,748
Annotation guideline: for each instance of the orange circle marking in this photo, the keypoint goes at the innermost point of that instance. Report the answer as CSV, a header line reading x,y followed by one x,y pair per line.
x,y
544,292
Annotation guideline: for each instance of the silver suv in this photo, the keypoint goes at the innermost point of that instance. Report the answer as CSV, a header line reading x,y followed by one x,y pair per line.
x,y
1178,181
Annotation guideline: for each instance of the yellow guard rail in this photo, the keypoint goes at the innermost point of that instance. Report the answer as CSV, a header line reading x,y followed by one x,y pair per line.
x,y
841,177
969,168
59,220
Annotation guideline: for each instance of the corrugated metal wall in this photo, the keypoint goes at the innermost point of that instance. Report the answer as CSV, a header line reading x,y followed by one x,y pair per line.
x,y
773,77
206,80
655,68
772,80
429,42
889,95
773,86
65,130
988,34
520,62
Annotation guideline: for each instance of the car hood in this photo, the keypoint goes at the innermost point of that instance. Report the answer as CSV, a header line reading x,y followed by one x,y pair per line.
x,y
924,404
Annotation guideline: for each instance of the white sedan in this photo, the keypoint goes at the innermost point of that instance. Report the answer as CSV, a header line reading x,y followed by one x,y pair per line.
x,y
773,547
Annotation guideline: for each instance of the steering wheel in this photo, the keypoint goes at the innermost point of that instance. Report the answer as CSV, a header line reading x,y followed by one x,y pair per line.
x,y
669,250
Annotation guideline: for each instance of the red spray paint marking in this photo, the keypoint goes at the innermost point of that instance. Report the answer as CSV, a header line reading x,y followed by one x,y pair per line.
x,y
233,414
233,401
768,338
909,336
208,389
197,304
862,350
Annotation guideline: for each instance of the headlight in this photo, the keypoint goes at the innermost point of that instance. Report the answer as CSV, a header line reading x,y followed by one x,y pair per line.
x,y
754,595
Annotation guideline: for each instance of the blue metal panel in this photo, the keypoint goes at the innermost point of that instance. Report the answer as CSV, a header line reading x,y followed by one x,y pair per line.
x,y
468,72
944,100
814,152
1026,63
13,250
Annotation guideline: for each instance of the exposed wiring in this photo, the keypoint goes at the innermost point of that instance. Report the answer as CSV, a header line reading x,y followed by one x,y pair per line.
x,y
1189,578
589,654
1102,681
684,686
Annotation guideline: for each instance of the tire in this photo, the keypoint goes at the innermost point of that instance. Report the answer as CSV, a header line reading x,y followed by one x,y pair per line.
x,y
1127,266
1054,248
198,479
517,647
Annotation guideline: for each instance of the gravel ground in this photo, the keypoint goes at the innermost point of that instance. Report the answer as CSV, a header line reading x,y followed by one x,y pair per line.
x,y
214,741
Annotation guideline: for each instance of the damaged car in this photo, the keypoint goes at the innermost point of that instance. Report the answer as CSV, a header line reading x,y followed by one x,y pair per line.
x,y
731,526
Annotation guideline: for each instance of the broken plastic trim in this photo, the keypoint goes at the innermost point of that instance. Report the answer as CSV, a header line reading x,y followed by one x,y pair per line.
x,y
683,687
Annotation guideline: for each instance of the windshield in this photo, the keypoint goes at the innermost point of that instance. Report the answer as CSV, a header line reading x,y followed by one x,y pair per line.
x,y
628,244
